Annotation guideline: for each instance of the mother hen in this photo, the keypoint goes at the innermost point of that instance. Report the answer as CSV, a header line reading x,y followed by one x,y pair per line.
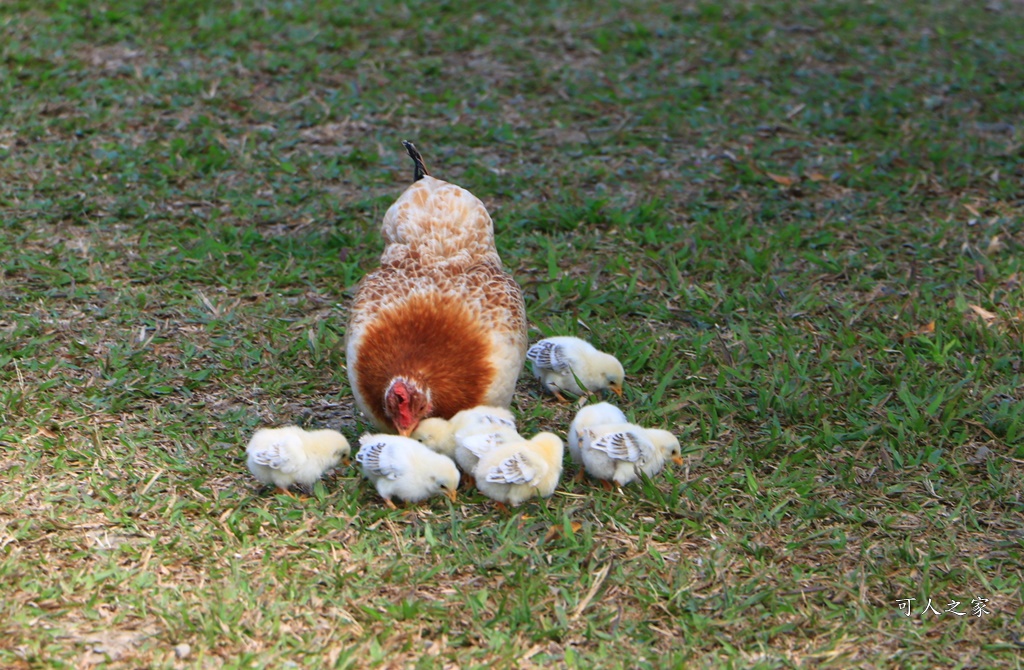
x,y
440,327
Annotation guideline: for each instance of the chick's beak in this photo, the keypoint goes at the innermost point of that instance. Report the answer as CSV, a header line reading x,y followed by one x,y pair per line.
x,y
678,460
616,389
451,493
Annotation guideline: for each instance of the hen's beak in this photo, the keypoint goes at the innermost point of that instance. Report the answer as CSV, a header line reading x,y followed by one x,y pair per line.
x,y
406,432
452,494
678,460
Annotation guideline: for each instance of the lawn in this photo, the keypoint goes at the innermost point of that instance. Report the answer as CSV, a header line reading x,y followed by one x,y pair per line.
x,y
799,226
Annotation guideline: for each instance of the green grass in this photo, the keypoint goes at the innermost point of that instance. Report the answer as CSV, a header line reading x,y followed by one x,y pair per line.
x,y
782,219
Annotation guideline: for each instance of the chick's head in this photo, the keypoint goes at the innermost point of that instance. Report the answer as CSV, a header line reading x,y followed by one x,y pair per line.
x,y
611,372
436,433
327,444
446,479
406,403
667,444
341,452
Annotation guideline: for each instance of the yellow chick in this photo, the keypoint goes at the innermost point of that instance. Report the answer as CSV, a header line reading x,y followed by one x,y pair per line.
x,y
401,467
591,416
436,434
291,455
559,361
470,444
439,434
518,471
619,452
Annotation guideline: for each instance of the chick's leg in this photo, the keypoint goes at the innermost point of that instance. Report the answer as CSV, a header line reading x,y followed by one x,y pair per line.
x,y
389,504
554,389
286,492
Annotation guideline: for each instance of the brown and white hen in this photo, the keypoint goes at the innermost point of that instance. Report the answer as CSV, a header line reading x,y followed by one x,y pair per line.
x,y
440,327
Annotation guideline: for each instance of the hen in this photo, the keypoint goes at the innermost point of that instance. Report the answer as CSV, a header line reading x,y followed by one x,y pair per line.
x,y
440,327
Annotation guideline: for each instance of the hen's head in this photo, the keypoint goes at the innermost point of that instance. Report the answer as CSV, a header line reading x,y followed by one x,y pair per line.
x,y
405,403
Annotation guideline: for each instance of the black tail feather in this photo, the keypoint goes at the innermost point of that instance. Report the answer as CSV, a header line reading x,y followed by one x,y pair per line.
x,y
420,170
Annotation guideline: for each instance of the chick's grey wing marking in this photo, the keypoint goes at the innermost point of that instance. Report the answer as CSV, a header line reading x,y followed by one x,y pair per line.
x,y
274,456
378,459
549,356
622,446
512,470
499,420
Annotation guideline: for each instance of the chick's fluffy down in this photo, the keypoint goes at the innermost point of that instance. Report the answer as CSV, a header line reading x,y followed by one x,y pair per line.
x,y
291,455
619,452
401,467
440,434
558,362
591,416
519,471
